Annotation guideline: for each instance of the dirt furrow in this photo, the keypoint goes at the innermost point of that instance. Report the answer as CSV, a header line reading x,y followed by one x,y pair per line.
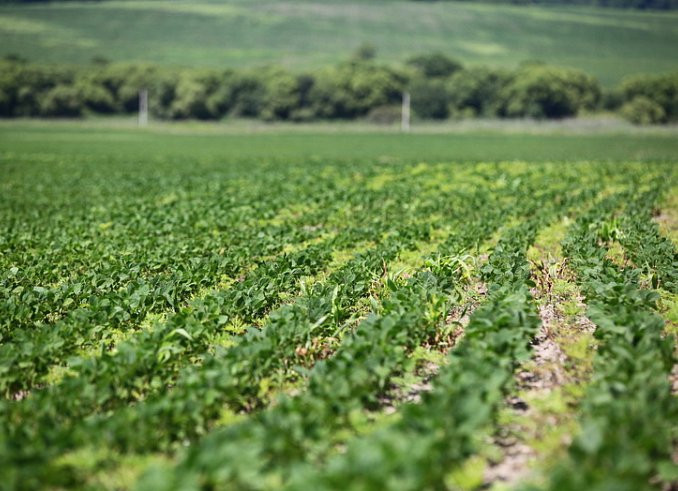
x,y
538,419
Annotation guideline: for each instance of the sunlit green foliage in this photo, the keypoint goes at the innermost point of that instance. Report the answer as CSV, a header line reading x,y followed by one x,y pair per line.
x,y
221,318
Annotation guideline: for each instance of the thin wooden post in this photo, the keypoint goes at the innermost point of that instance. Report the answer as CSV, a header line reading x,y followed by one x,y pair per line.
x,y
143,107
405,121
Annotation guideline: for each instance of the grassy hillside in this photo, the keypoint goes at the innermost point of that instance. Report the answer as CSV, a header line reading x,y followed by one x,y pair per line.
x,y
607,43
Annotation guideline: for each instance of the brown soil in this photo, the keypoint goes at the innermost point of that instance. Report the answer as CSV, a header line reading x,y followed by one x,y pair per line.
x,y
545,372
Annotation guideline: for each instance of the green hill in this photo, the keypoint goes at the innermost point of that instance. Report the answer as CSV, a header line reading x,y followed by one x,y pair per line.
x,y
607,43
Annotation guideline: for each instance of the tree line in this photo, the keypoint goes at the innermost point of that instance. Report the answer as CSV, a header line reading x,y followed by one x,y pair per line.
x,y
360,87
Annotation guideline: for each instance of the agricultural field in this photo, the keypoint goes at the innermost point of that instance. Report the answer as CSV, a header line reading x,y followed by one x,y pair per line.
x,y
606,43
187,307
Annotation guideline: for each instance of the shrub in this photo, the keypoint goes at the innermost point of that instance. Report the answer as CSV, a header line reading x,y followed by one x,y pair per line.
x,y
304,112
282,95
5,103
430,99
540,91
24,85
96,97
124,81
219,102
62,100
660,89
642,110
477,91
352,89
246,94
190,95
161,95
27,101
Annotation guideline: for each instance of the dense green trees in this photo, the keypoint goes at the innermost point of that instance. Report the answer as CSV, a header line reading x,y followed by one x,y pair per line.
x,y
348,90
651,99
641,110
360,87
351,89
478,91
540,91
533,91
430,99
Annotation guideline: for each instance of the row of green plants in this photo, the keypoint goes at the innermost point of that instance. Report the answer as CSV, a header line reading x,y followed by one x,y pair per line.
x,y
271,363
48,316
79,313
358,88
272,445
274,356
648,250
627,421
46,287
263,450
148,362
282,446
429,439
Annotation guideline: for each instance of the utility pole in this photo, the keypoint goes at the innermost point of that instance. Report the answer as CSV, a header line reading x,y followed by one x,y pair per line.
x,y
405,121
143,107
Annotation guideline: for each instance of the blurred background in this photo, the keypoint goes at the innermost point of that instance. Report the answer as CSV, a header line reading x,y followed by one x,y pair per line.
x,y
612,62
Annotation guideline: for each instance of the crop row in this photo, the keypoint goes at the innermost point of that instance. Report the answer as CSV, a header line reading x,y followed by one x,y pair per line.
x,y
120,376
84,309
353,378
35,349
431,438
652,253
268,343
271,446
628,415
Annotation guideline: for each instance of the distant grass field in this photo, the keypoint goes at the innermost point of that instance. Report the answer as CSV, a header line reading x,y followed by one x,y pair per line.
x,y
607,43
217,143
